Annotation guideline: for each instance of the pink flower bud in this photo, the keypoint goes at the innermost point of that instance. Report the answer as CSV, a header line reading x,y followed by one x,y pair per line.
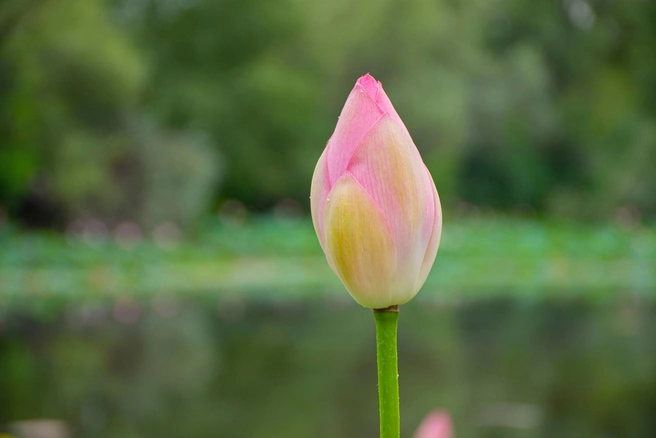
x,y
437,424
374,204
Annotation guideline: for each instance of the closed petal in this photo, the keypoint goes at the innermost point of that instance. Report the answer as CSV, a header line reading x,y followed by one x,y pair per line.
x,y
390,169
386,106
360,113
377,93
434,242
318,195
359,244
370,85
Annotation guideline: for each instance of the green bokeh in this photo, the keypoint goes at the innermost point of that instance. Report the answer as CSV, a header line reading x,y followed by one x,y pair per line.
x,y
515,106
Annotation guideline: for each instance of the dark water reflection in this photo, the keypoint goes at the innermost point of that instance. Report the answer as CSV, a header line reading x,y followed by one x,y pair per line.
x,y
175,368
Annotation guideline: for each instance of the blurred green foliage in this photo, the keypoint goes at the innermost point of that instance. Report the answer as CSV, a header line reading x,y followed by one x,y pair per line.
x,y
73,135
131,108
478,258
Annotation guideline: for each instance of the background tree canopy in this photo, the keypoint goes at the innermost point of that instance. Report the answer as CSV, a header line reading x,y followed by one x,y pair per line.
x,y
160,110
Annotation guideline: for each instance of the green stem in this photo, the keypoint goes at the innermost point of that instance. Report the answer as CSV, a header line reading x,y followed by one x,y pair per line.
x,y
388,371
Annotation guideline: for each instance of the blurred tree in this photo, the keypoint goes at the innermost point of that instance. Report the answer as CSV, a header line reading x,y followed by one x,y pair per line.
x,y
601,136
235,69
71,78
548,107
71,138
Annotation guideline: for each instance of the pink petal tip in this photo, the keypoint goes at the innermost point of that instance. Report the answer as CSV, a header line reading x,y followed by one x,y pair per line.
x,y
370,85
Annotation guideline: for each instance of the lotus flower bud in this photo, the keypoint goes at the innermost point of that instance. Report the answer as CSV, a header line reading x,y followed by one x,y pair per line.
x,y
437,424
374,204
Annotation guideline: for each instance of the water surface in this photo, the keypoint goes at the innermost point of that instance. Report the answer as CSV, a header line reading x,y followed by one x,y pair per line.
x,y
199,368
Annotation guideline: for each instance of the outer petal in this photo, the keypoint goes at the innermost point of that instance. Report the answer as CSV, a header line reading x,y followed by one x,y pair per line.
x,y
434,242
390,169
360,113
318,196
359,244
386,106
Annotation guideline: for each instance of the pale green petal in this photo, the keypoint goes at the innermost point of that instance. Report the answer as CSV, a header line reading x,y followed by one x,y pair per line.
x,y
359,244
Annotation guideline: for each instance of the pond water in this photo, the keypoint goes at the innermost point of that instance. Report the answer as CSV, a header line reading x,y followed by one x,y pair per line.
x,y
178,367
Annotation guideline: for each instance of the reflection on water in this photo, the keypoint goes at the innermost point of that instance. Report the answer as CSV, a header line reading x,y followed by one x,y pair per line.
x,y
172,368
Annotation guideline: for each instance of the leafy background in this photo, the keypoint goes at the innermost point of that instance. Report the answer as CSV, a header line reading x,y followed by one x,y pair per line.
x,y
160,110
159,275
